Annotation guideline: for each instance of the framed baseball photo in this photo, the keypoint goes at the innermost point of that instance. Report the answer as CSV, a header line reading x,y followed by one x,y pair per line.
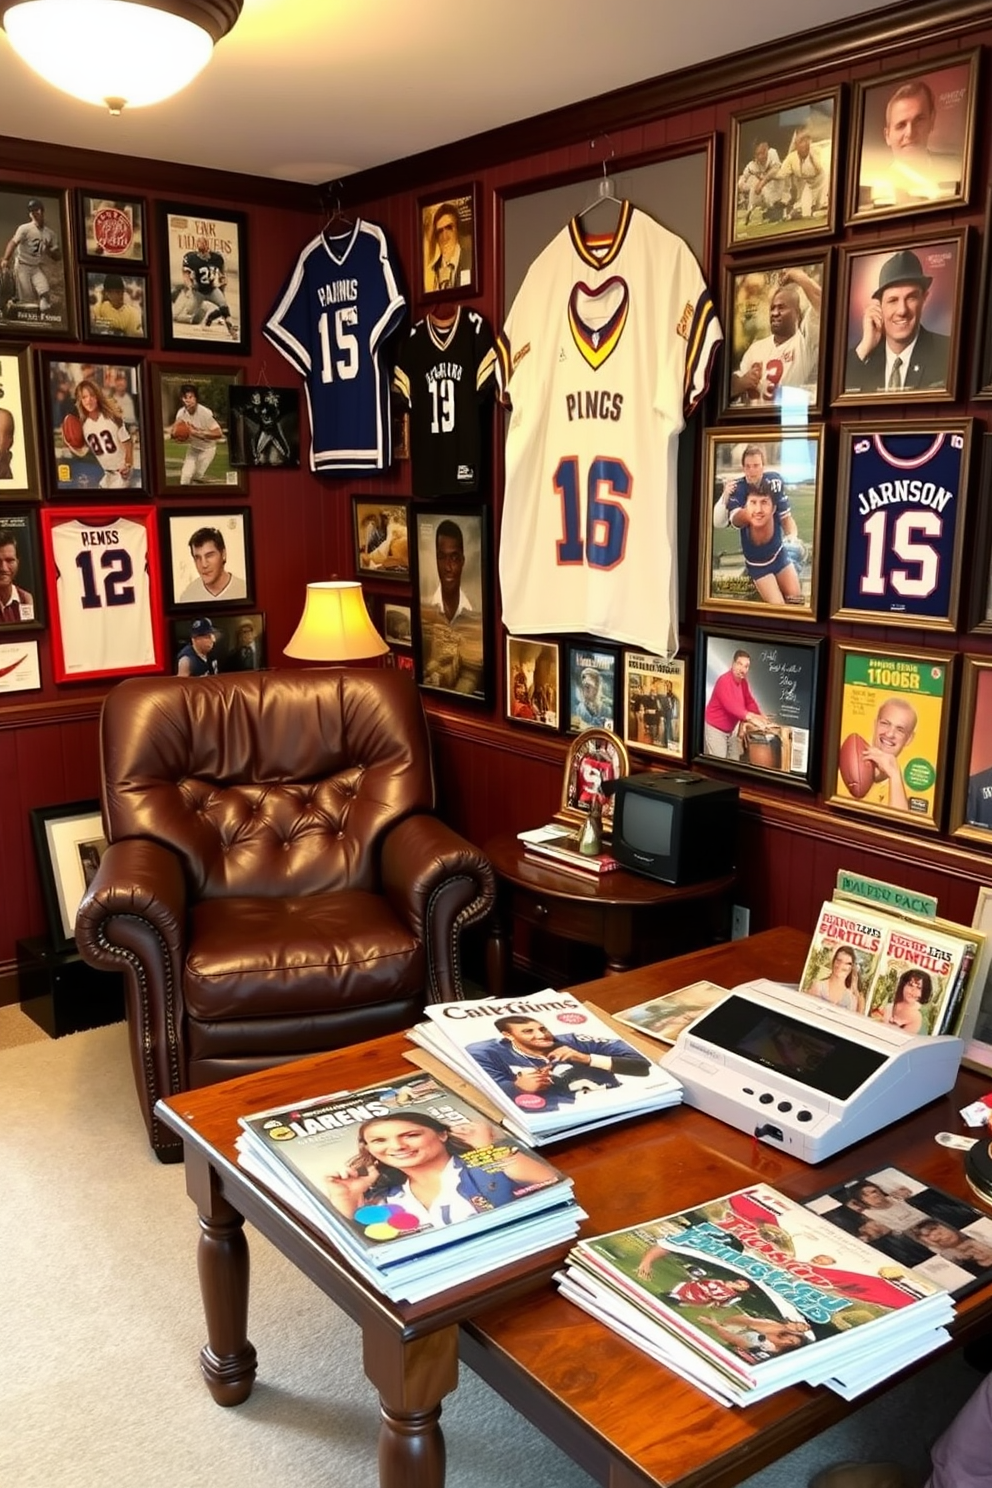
x,y
37,267
532,669
111,229
19,667
201,645
654,705
901,494
97,433
971,794
204,268
264,429
595,756
448,232
889,713
397,624
760,522
783,170
22,596
774,365
912,139
207,557
102,572
451,599
18,449
115,305
191,416
592,683
380,525
758,704
899,320
69,843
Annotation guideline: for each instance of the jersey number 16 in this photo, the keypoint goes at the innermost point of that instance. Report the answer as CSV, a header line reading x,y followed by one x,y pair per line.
x,y
607,484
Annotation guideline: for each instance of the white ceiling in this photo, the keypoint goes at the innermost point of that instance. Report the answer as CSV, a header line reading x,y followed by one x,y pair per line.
x,y
308,90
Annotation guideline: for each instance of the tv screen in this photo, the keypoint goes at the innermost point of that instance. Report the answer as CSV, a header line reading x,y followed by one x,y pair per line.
x,y
646,824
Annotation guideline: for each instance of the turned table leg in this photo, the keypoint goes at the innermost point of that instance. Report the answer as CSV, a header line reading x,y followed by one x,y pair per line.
x,y
412,1377
228,1360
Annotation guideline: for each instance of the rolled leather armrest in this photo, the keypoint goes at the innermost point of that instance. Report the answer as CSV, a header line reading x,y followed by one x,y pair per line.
x,y
439,884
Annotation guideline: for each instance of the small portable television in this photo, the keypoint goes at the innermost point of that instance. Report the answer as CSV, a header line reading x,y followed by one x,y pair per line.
x,y
674,825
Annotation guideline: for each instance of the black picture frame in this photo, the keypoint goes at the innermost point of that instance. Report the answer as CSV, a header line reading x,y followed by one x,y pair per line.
x,y
220,271
453,657
590,686
456,209
939,262
53,278
897,559
20,527
69,842
230,640
912,139
971,787
111,229
380,528
264,428
18,435
760,215
785,677
95,465
102,318
224,548
397,624
178,462
788,369
532,682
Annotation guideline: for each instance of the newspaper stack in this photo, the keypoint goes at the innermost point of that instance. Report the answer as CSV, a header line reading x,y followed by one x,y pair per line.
x,y
549,1064
417,1188
752,1292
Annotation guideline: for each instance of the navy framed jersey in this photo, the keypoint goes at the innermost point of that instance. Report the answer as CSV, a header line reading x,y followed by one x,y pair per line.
x,y
900,522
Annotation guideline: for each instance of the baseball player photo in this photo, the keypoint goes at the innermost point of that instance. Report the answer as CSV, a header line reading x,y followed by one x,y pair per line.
x,y
35,290
206,278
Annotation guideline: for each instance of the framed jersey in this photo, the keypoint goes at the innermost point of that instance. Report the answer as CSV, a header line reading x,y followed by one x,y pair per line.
x,y
204,259
773,311
102,569
900,522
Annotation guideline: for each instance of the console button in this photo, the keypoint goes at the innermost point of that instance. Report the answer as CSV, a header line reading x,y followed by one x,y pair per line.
x,y
804,1115
766,1099
785,1105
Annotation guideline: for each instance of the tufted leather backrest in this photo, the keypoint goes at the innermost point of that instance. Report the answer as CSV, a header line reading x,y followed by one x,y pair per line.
x,y
267,783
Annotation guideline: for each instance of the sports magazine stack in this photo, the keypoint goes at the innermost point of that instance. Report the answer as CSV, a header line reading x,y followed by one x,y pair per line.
x,y
549,1064
752,1292
417,1188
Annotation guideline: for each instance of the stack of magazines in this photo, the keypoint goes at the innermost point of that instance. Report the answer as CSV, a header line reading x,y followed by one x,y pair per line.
x,y
752,1292
417,1188
549,1064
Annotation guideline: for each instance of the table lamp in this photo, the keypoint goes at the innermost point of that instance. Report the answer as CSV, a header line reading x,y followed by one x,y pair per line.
x,y
335,625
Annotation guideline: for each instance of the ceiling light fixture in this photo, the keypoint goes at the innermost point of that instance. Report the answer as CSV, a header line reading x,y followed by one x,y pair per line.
x,y
117,52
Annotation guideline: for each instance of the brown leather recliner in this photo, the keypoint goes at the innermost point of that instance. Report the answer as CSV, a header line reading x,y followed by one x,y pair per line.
x,y
274,883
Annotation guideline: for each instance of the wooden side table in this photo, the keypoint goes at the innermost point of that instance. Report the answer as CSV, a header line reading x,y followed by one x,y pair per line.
x,y
601,910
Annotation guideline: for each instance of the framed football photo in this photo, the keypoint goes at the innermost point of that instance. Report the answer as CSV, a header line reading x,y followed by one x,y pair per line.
x,y
901,498
774,310
204,259
97,435
192,417
594,757
264,431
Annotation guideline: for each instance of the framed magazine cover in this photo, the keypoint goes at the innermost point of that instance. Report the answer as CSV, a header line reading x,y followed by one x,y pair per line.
x,y
207,558
783,170
69,843
760,522
889,717
203,257
449,228
912,138
191,418
111,229
22,593
592,681
96,431
595,756
901,494
775,310
971,793
380,529
37,290
451,599
102,572
654,705
18,447
757,705
532,686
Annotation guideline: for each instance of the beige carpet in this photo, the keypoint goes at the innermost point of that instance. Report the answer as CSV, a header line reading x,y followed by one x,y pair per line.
x,y
100,1327
16,1028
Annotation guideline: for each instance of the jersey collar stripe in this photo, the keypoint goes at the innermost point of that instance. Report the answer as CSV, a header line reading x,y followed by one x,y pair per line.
x,y
907,462
616,239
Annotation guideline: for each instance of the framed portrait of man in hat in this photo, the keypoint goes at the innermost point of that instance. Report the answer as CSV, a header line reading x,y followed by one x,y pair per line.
x,y
901,332
115,304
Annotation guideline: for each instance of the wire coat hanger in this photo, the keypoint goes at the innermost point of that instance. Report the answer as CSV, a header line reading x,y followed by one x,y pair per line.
x,y
605,191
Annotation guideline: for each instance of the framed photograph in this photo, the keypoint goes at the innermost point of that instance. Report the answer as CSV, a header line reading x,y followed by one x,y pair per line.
x,y
592,682
191,418
111,228
911,140
102,572
889,713
397,624
783,170
69,844
19,668
532,671
207,558
975,1027
22,602
982,369
202,645
18,450
901,495
37,280
760,523
96,439
452,599
380,526
774,365
757,704
971,795
900,304
204,278
264,429
980,547
654,703
448,231
115,305
595,756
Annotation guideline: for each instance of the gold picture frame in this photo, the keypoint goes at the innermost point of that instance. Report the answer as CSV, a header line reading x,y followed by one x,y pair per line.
x,y
594,757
